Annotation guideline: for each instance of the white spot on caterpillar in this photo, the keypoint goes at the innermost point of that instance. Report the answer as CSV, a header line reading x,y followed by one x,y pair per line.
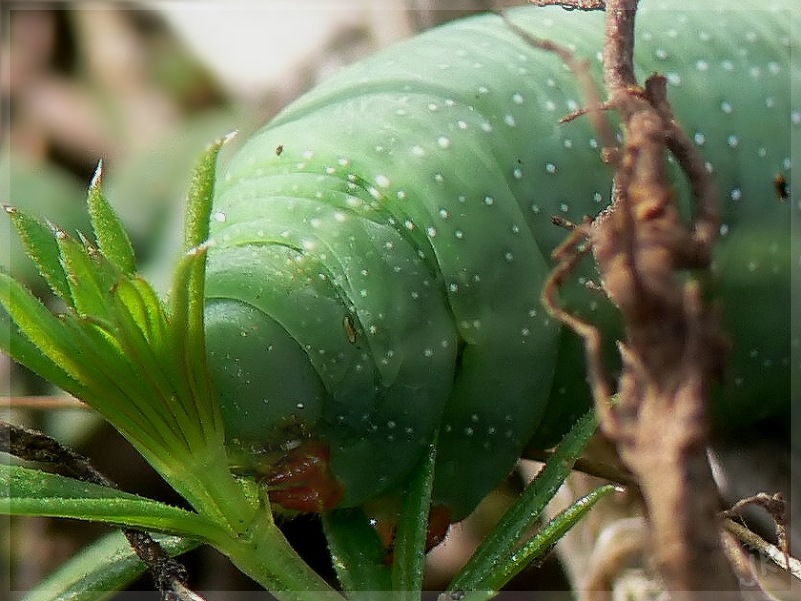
x,y
550,105
727,65
401,194
550,167
567,143
509,120
661,54
409,224
343,162
450,102
795,117
726,107
724,229
444,142
418,151
486,126
535,208
220,217
382,180
428,352
701,65
699,138
308,154
459,234
736,194
439,178
453,287
461,124
431,231
674,79
444,213
489,200
509,257
517,98
433,107
482,90
733,141
374,192
401,112
517,173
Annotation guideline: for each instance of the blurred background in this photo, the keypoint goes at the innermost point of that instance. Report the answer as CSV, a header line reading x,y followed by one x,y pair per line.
x,y
144,86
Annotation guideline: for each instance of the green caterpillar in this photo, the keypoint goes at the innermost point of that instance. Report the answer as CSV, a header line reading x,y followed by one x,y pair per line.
x,y
380,247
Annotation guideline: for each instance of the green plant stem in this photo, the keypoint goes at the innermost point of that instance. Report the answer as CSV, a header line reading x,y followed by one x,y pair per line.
x,y
267,557
215,493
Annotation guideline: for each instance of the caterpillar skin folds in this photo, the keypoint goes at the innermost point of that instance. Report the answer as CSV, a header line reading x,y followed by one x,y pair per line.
x,y
379,278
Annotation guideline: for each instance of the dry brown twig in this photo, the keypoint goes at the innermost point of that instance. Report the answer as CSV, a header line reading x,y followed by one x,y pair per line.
x,y
647,256
31,445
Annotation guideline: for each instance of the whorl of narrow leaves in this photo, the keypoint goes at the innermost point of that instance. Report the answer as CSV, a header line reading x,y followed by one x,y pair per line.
x,y
136,360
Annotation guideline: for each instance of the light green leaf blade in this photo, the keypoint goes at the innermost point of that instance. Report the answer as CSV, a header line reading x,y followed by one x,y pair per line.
x,y
33,492
112,240
412,531
201,195
357,553
523,515
34,327
24,352
97,572
41,246
90,276
542,542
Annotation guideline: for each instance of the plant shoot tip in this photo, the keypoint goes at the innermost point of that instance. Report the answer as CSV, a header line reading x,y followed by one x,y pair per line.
x,y
97,178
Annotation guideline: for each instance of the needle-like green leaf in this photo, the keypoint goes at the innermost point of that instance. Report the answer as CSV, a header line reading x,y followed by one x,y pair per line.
x,y
112,240
100,570
42,248
28,491
498,547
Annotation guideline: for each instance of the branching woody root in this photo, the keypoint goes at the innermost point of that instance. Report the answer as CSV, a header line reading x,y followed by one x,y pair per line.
x,y
651,264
